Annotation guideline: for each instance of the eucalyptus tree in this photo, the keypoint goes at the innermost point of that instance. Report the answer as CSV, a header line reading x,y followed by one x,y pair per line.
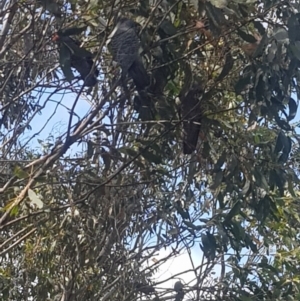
x,y
201,158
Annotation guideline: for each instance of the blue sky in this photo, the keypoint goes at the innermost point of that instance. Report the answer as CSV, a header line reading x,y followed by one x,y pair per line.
x,y
58,123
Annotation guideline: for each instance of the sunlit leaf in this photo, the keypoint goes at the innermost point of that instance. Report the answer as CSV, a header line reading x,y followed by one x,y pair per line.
x,y
35,199
129,151
246,187
20,172
281,35
260,179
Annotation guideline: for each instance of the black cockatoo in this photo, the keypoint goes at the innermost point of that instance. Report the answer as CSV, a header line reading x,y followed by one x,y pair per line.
x,y
191,113
124,43
84,66
80,58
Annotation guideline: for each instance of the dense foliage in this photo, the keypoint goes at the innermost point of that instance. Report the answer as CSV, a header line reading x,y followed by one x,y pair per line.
x,y
84,216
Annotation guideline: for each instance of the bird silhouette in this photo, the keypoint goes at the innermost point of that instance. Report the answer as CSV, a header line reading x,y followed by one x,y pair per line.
x,y
191,113
125,44
80,59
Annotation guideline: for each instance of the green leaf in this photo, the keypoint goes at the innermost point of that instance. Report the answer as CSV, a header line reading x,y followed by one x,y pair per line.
x,y
278,178
183,212
292,109
128,151
191,225
283,145
151,157
227,66
232,164
35,199
71,31
260,89
52,7
20,172
65,62
242,83
216,15
260,28
244,10
249,243
261,46
14,211
188,76
260,179
244,1
220,162
272,51
246,37
245,298
168,28
281,35
282,123
217,180
291,184
268,266
246,187
234,211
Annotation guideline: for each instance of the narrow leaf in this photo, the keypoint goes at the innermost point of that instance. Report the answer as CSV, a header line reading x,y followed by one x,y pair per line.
x,y
168,28
234,211
72,31
227,66
283,145
292,109
246,37
260,28
282,123
260,180
281,35
52,7
217,180
35,199
151,157
20,173
242,83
